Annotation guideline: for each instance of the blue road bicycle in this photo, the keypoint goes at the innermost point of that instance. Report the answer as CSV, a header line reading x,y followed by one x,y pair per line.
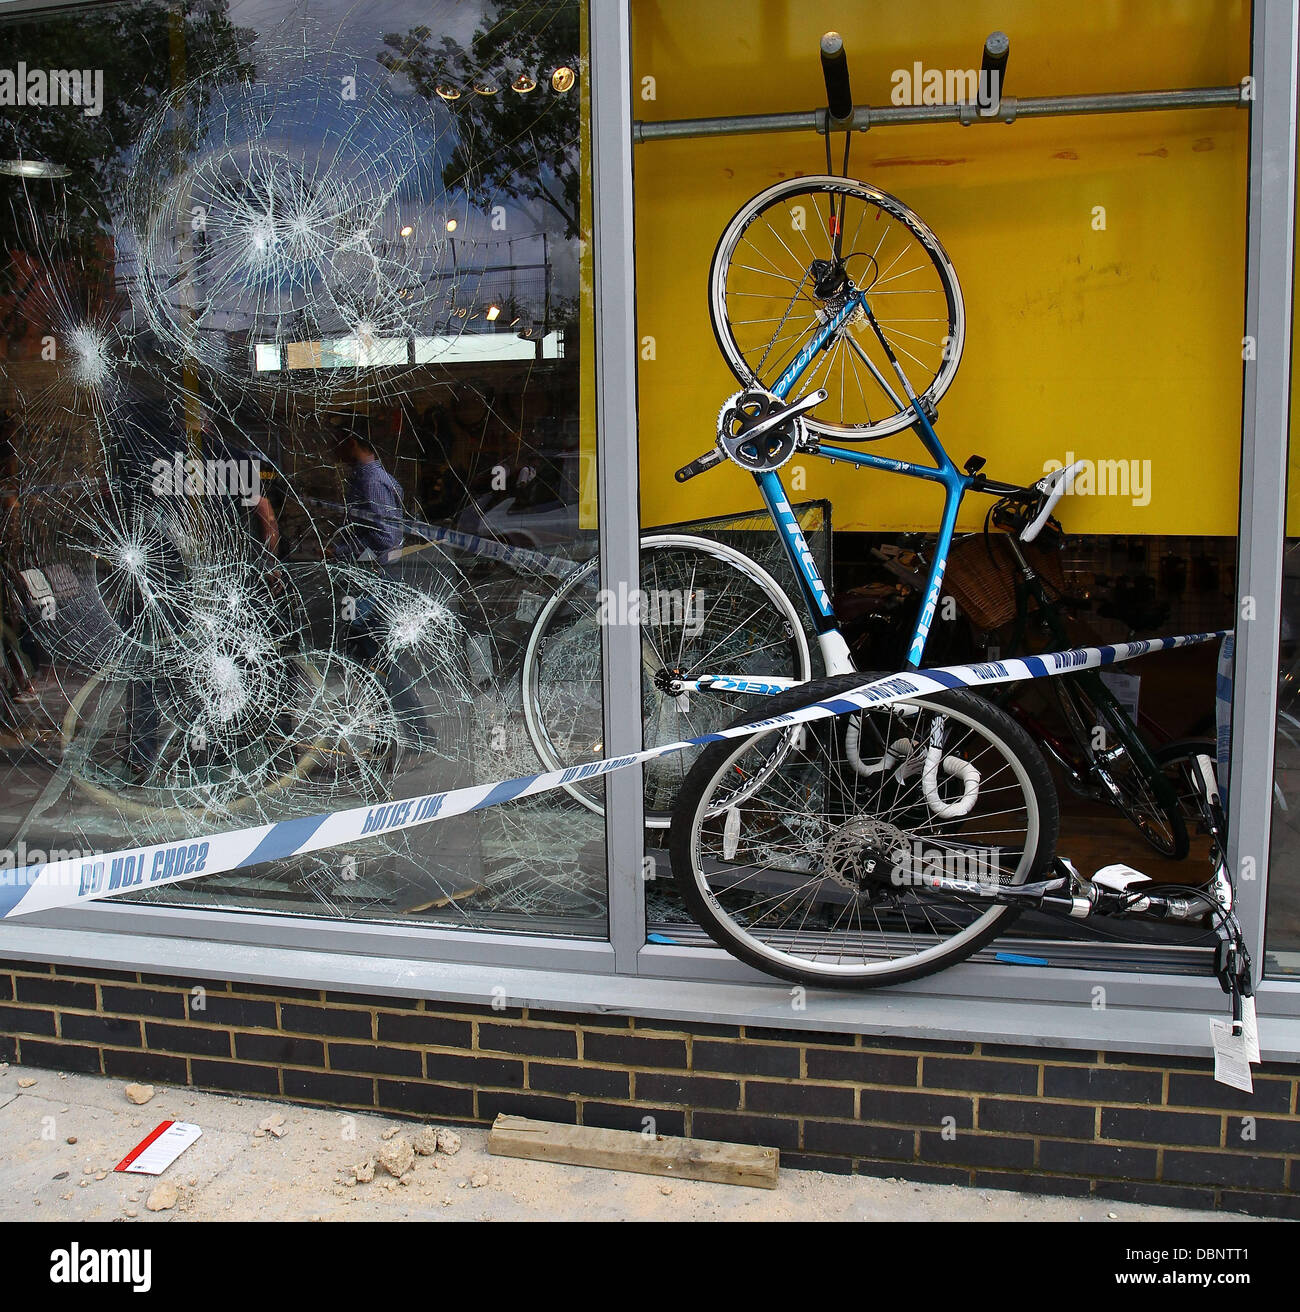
x,y
808,852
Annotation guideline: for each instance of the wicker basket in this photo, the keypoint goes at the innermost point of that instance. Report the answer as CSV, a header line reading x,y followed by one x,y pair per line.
x,y
982,572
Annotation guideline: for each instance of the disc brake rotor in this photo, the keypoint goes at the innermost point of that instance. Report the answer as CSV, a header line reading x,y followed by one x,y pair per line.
x,y
863,852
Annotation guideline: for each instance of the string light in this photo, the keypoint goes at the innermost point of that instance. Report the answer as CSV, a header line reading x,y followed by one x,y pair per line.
x,y
563,78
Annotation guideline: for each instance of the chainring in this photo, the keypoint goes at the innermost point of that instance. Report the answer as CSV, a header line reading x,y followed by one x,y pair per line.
x,y
770,449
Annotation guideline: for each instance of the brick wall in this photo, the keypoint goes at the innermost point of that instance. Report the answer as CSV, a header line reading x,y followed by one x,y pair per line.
x,y
1147,1130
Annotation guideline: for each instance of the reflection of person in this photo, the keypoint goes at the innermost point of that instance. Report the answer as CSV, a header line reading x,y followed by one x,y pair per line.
x,y
373,498
246,490
374,523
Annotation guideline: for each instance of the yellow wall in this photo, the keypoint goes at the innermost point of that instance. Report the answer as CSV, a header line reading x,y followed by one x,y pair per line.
x,y
1115,344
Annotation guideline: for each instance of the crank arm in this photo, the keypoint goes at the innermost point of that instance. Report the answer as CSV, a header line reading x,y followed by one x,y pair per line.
x,y
809,402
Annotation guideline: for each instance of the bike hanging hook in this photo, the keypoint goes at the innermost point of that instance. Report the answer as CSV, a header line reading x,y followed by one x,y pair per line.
x,y
839,114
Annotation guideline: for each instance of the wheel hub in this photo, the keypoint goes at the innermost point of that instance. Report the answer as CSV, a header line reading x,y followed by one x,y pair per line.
x,y
862,854
669,681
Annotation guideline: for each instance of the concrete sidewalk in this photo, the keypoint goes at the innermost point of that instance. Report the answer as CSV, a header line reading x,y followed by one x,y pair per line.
x,y
61,1135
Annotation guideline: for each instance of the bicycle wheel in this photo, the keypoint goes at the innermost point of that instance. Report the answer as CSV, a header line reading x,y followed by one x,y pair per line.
x,y
704,608
777,278
808,860
1122,764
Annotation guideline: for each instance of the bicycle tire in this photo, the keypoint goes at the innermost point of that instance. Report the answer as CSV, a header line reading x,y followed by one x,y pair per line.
x,y
1126,787
698,805
728,287
660,724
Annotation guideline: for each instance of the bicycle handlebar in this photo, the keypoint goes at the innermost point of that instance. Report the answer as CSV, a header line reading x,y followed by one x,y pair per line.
x,y
835,71
993,69
1051,488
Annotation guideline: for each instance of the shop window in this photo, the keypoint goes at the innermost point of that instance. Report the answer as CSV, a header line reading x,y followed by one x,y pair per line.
x,y
297,393
1084,341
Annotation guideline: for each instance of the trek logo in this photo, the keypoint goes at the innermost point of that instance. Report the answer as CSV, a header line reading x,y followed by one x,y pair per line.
x,y
927,613
728,683
75,1265
786,518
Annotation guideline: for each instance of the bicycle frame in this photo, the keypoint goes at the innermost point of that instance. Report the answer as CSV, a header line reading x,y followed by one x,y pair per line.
x,y
816,597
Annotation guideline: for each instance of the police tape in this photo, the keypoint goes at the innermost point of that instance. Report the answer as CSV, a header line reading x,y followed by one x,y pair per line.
x,y
43,887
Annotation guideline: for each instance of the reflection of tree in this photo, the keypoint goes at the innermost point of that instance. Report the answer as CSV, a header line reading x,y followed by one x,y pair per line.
x,y
522,145
143,49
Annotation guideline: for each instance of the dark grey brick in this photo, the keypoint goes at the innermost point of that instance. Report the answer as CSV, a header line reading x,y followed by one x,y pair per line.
x,y
1021,1183
1154,1195
858,1140
800,1037
528,1040
54,991
970,1149
492,1103
1059,1119
281,1049
493,1072
1281,1205
638,1051
187,1038
223,1009
371,1000
1271,1097
766,1131
798,1099
327,1086
143,1002
924,1110
27,1020
119,1031
427,1031
427,1099
580,1081
1142,1125
1225,1170
235,1075
984,1076
151,1066
334,1022
1101,1084
745,1058
59,1056
1096,1159
918,1172
613,1116
690,1090
373,1059
815,1162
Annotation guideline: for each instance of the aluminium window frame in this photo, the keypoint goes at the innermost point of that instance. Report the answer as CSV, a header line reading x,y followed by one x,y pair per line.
x,y
1124,1008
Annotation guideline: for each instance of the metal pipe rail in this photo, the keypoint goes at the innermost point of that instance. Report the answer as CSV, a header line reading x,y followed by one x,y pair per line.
x,y
1009,110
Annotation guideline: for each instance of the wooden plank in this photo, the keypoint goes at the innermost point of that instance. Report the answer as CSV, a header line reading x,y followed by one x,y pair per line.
x,y
626,1150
